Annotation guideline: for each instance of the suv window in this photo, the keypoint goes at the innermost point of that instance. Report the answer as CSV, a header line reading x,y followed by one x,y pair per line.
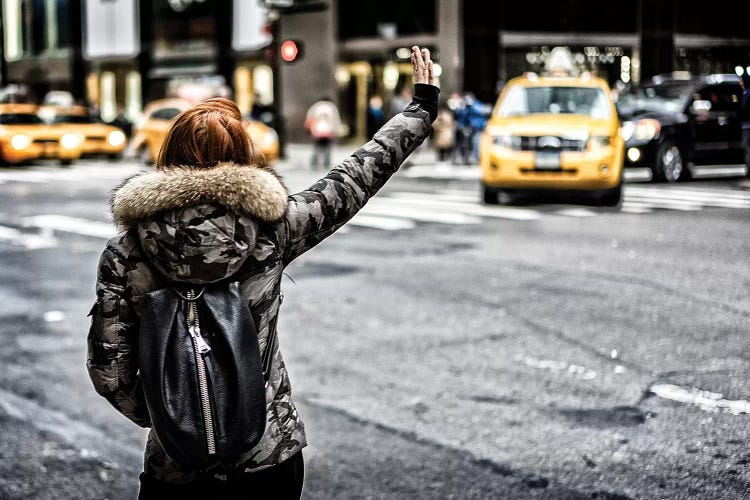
x,y
165,113
723,97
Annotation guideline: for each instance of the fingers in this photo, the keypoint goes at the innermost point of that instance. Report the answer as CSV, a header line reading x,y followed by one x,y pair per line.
x,y
417,56
420,59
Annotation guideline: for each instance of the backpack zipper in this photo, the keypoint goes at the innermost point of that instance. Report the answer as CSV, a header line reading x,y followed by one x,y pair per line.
x,y
201,349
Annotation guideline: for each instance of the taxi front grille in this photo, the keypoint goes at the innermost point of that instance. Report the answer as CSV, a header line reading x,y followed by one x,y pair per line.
x,y
551,143
46,140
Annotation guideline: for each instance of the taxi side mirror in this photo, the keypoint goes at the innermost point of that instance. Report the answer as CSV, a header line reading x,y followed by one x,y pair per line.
x,y
700,106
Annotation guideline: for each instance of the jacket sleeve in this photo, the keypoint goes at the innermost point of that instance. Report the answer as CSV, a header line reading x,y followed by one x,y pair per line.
x,y
113,343
317,212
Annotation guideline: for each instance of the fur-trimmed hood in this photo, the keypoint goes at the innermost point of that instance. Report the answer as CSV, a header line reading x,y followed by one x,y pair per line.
x,y
199,225
251,190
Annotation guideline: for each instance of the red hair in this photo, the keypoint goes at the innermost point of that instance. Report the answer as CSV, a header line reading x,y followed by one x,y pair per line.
x,y
206,134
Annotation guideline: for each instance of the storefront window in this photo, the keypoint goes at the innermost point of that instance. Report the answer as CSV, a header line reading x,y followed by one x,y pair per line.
x,y
184,27
386,18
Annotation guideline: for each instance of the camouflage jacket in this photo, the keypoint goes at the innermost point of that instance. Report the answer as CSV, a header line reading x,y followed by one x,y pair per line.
x,y
201,226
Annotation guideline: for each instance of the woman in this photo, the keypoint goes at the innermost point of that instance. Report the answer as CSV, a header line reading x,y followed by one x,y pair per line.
x,y
209,212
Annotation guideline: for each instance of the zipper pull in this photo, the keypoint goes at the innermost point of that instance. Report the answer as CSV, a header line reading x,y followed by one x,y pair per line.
x,y
203,346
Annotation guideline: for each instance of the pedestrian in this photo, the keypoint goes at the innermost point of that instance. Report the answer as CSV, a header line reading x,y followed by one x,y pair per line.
x,y
324,125
121,121
375,115
400,101
471,119
212,212
444,135
745,119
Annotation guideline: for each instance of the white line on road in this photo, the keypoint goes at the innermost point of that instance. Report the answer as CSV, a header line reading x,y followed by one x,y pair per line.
x,y
436,204
705,400
660,203
377,222
401,209
28,241
71,225
576,212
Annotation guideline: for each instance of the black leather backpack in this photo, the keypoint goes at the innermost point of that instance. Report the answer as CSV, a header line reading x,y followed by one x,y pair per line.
x,y
202,373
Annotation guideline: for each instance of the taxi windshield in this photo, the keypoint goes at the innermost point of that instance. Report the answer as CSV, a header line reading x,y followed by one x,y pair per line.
x,y
668,97
72,119
19,119
587,101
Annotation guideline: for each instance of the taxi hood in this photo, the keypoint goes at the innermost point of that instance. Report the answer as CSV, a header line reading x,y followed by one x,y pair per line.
x,y
199,225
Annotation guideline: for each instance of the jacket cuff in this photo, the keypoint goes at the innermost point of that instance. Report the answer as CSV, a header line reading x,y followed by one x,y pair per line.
x,y
426,96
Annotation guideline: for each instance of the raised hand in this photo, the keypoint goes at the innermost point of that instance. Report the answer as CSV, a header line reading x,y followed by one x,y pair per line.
x,y
422,66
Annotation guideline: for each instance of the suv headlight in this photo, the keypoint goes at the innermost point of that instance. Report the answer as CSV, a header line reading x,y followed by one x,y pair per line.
x,y
507,141
642,130
20,141
70,140
116,138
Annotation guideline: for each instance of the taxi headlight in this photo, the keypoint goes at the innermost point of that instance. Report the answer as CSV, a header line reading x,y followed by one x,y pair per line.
x,y
270,137
507,141
70,141
20,141
116,138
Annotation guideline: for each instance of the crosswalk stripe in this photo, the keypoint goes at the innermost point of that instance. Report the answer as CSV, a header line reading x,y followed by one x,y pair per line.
x,y
71,225
743,201
669,204
404,209
576,212
635,209
28,241
385,223
469,209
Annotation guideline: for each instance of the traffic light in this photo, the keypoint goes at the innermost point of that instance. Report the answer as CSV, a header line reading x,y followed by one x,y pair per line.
x,y
291,50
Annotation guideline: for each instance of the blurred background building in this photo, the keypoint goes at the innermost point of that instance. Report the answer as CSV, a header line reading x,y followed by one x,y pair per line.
x,y
283,55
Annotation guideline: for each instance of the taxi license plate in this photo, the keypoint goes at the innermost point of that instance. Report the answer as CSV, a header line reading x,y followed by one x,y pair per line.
x,y
547,161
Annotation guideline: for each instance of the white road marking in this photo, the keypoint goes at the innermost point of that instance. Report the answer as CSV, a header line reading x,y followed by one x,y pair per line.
x,y
705,400
717,171
661,203
576,212
442,172
26,240
439,204
376,222
400,209
54,316
71,225
638,174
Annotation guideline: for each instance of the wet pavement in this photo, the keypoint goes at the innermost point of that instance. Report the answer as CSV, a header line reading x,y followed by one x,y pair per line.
x,y
435,350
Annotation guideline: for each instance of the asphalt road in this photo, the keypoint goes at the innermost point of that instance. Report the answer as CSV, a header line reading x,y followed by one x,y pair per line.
x,y
437,348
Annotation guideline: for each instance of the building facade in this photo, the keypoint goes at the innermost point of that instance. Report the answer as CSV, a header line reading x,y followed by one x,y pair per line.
x,y
125,53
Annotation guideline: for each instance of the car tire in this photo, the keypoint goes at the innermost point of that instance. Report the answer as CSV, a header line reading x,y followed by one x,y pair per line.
x,y
489,195
670,163
611,197
66,163
115,156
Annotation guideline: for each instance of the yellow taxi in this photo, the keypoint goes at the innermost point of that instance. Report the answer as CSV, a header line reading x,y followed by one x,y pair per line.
x,y
149,134
25,137
98,138
553,133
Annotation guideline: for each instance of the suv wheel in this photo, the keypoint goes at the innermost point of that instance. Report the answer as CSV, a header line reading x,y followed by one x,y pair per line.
x,y
670,165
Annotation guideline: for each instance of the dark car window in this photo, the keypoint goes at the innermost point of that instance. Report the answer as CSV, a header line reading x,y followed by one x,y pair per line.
x,y
165,113
19,119
668,97
72,119
724,97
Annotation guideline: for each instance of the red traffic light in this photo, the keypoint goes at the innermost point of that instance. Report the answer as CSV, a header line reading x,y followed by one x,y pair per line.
x,y
289,50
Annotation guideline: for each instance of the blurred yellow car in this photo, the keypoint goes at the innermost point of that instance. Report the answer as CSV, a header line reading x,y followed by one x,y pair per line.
x,y
149,134
553,133
25,137
98,138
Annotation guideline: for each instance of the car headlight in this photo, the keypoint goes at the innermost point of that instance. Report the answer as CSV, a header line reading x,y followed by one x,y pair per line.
x,y
270,137
642,130
507,141
20,141
116,138
70,140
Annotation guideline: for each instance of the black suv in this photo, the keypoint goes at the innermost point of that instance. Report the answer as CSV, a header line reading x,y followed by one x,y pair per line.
x,y
675,123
